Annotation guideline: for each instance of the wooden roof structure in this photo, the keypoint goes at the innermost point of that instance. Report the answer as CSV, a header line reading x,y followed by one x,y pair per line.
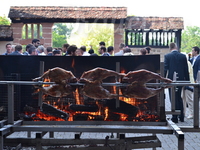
x,y
161,23
51,14
67,14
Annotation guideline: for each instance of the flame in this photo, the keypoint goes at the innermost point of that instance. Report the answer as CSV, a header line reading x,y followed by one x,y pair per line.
x,y
73,63
106,113
122,70
77,97
46,80
46,117
70,117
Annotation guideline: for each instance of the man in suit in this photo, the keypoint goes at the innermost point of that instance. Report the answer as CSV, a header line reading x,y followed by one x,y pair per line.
x,y
18,50
195,61
176,62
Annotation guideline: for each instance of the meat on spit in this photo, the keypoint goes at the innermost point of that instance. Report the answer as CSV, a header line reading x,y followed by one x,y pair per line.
x,y
93,89
61,78
99,74
137,88
93,79
58,75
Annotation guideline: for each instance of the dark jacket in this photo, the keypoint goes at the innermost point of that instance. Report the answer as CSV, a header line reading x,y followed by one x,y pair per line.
x,y
196,66
176,62
15,53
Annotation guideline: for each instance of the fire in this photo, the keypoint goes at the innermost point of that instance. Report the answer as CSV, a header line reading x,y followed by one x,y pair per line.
x,y
103,112
73,63
46,80
78,97
106,113
46,117
123,70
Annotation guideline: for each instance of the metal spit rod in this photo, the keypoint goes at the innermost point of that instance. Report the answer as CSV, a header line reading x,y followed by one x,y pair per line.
x,y
161,84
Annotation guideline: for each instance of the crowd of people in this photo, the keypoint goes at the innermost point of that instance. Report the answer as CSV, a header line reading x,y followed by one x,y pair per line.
x,y
35,48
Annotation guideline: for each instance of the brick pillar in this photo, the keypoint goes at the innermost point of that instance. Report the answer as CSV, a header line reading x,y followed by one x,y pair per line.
x,y
47,34
17,32
118,36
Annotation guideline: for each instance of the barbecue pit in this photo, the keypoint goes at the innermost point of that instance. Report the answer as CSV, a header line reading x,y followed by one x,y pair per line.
x,y
85,122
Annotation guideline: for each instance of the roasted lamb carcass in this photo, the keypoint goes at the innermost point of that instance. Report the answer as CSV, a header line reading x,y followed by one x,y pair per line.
x,y
93,89
137,88
99,74
93,79
58,75
61,78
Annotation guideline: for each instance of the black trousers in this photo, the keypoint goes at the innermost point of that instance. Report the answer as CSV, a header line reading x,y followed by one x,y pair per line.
x,y
178,102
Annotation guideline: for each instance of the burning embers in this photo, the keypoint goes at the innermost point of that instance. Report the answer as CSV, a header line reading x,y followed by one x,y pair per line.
x,y
88,99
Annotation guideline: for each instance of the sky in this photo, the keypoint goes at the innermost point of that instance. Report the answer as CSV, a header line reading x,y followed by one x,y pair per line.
x,y
189,10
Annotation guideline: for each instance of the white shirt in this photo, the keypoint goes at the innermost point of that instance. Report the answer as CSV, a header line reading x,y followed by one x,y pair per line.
x,y
42,54
195,57
120,53
86,54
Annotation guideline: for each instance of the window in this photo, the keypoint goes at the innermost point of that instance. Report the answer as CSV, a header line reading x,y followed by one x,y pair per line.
x,y
32,31
153,38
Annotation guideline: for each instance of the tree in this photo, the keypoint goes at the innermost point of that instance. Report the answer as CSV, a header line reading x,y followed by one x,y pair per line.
x,y
98,33
190,38
60,34
4,20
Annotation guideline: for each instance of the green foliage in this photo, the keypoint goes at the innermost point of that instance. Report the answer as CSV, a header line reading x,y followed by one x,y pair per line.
x,y
4,20
58,40
98,33
60,34
190,38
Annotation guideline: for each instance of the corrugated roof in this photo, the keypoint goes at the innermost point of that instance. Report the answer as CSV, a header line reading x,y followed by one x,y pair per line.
x,y
164,23
61,12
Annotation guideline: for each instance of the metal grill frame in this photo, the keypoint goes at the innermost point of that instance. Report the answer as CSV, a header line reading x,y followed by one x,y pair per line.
x,y
9,126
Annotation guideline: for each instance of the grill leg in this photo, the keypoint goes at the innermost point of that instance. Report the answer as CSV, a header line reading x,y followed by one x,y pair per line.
x,y
38,141
180,144
1,142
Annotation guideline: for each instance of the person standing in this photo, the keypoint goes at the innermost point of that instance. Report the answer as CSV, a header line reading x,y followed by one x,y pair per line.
x,y
102,44
187,93
64,49
128,52
121,50
32,51
18,50
110,50
148,49
83,49
8,49
102,51
71,50
195,60
57,53
78,52
41,50
36,42
49,51
143,51
175,62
